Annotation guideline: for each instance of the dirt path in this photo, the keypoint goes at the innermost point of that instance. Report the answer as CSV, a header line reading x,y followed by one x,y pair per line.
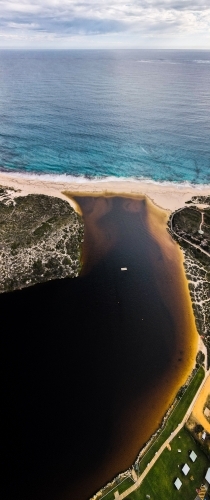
x,y
173,434
185,239
198,408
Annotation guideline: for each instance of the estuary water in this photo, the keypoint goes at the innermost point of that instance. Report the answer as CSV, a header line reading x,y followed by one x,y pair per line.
x,y
91,364
122,113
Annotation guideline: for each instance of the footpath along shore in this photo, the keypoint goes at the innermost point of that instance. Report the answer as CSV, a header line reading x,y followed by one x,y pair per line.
x,y
167,196
164,445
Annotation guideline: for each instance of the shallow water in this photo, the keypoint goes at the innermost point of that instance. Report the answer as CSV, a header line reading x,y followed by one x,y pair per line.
x,y
121,113
92,364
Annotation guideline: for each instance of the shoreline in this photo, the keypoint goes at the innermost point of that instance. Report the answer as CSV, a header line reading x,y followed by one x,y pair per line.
x,y
165,197
168,196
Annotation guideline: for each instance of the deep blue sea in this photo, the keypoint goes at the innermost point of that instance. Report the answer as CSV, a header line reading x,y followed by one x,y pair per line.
x,y
123,113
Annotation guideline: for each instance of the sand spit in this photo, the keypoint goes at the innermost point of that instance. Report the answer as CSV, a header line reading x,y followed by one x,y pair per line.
x,y
168,196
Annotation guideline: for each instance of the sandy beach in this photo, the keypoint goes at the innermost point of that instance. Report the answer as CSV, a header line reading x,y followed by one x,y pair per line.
x,y
170,282
166,195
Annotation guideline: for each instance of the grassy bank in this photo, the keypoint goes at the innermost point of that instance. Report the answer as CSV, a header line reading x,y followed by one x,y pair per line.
x,y
127,483
175,418
160,479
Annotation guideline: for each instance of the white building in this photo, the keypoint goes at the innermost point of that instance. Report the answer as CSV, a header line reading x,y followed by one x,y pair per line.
x,y
178,484
207,476
207,412
193,456
185,469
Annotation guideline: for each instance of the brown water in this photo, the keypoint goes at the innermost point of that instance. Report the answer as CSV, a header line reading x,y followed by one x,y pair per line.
x,y
107,352
154,325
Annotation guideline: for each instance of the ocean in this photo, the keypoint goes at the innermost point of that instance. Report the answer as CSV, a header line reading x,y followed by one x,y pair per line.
x,y
142,114
91,364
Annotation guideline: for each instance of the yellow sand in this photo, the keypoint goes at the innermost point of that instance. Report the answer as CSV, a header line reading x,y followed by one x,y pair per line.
x,y
170,274
198,408
167,196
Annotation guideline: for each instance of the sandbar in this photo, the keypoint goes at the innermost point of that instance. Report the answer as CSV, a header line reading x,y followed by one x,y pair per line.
x,y
170,276
169,196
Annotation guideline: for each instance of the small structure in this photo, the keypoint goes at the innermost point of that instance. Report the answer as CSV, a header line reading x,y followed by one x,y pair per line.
x,y
185,469
203,435
207,476
179,451
177,483
207,412
193,456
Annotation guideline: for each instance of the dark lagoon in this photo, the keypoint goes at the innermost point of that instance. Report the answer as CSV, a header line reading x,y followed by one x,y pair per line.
x,y
91,364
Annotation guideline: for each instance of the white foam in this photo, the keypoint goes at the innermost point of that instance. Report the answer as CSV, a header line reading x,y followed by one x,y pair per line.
x,y
161,61
69,179
201,61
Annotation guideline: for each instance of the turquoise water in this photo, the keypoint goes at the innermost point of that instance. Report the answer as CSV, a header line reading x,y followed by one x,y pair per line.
x,y
126,113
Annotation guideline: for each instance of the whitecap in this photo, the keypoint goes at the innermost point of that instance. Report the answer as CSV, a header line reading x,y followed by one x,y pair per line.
x,y
201,61
68,179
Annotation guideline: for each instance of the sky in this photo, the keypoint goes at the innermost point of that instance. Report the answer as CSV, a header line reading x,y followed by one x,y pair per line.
x,y
101,24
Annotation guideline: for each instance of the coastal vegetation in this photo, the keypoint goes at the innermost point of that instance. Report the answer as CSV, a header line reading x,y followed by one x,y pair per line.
x,y
190,226
40,239
196,430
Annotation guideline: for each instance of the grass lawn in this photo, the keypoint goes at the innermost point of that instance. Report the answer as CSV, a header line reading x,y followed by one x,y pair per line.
x,y
159,483
158,472
121,488
175,418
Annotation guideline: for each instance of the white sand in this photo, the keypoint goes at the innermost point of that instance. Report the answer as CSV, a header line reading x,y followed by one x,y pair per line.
x,y
168,196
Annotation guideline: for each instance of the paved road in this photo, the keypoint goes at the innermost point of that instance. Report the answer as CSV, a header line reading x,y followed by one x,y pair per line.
x,y
171,437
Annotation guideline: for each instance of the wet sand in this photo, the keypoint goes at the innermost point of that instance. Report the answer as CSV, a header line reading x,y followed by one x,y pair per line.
x,y
169,196
141,340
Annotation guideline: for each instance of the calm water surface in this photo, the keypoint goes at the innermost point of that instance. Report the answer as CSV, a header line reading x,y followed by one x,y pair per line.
x,y
90,363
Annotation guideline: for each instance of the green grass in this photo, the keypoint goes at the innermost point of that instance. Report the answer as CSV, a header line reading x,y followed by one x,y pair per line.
x,y
121,488
159,483
175,418
158,473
